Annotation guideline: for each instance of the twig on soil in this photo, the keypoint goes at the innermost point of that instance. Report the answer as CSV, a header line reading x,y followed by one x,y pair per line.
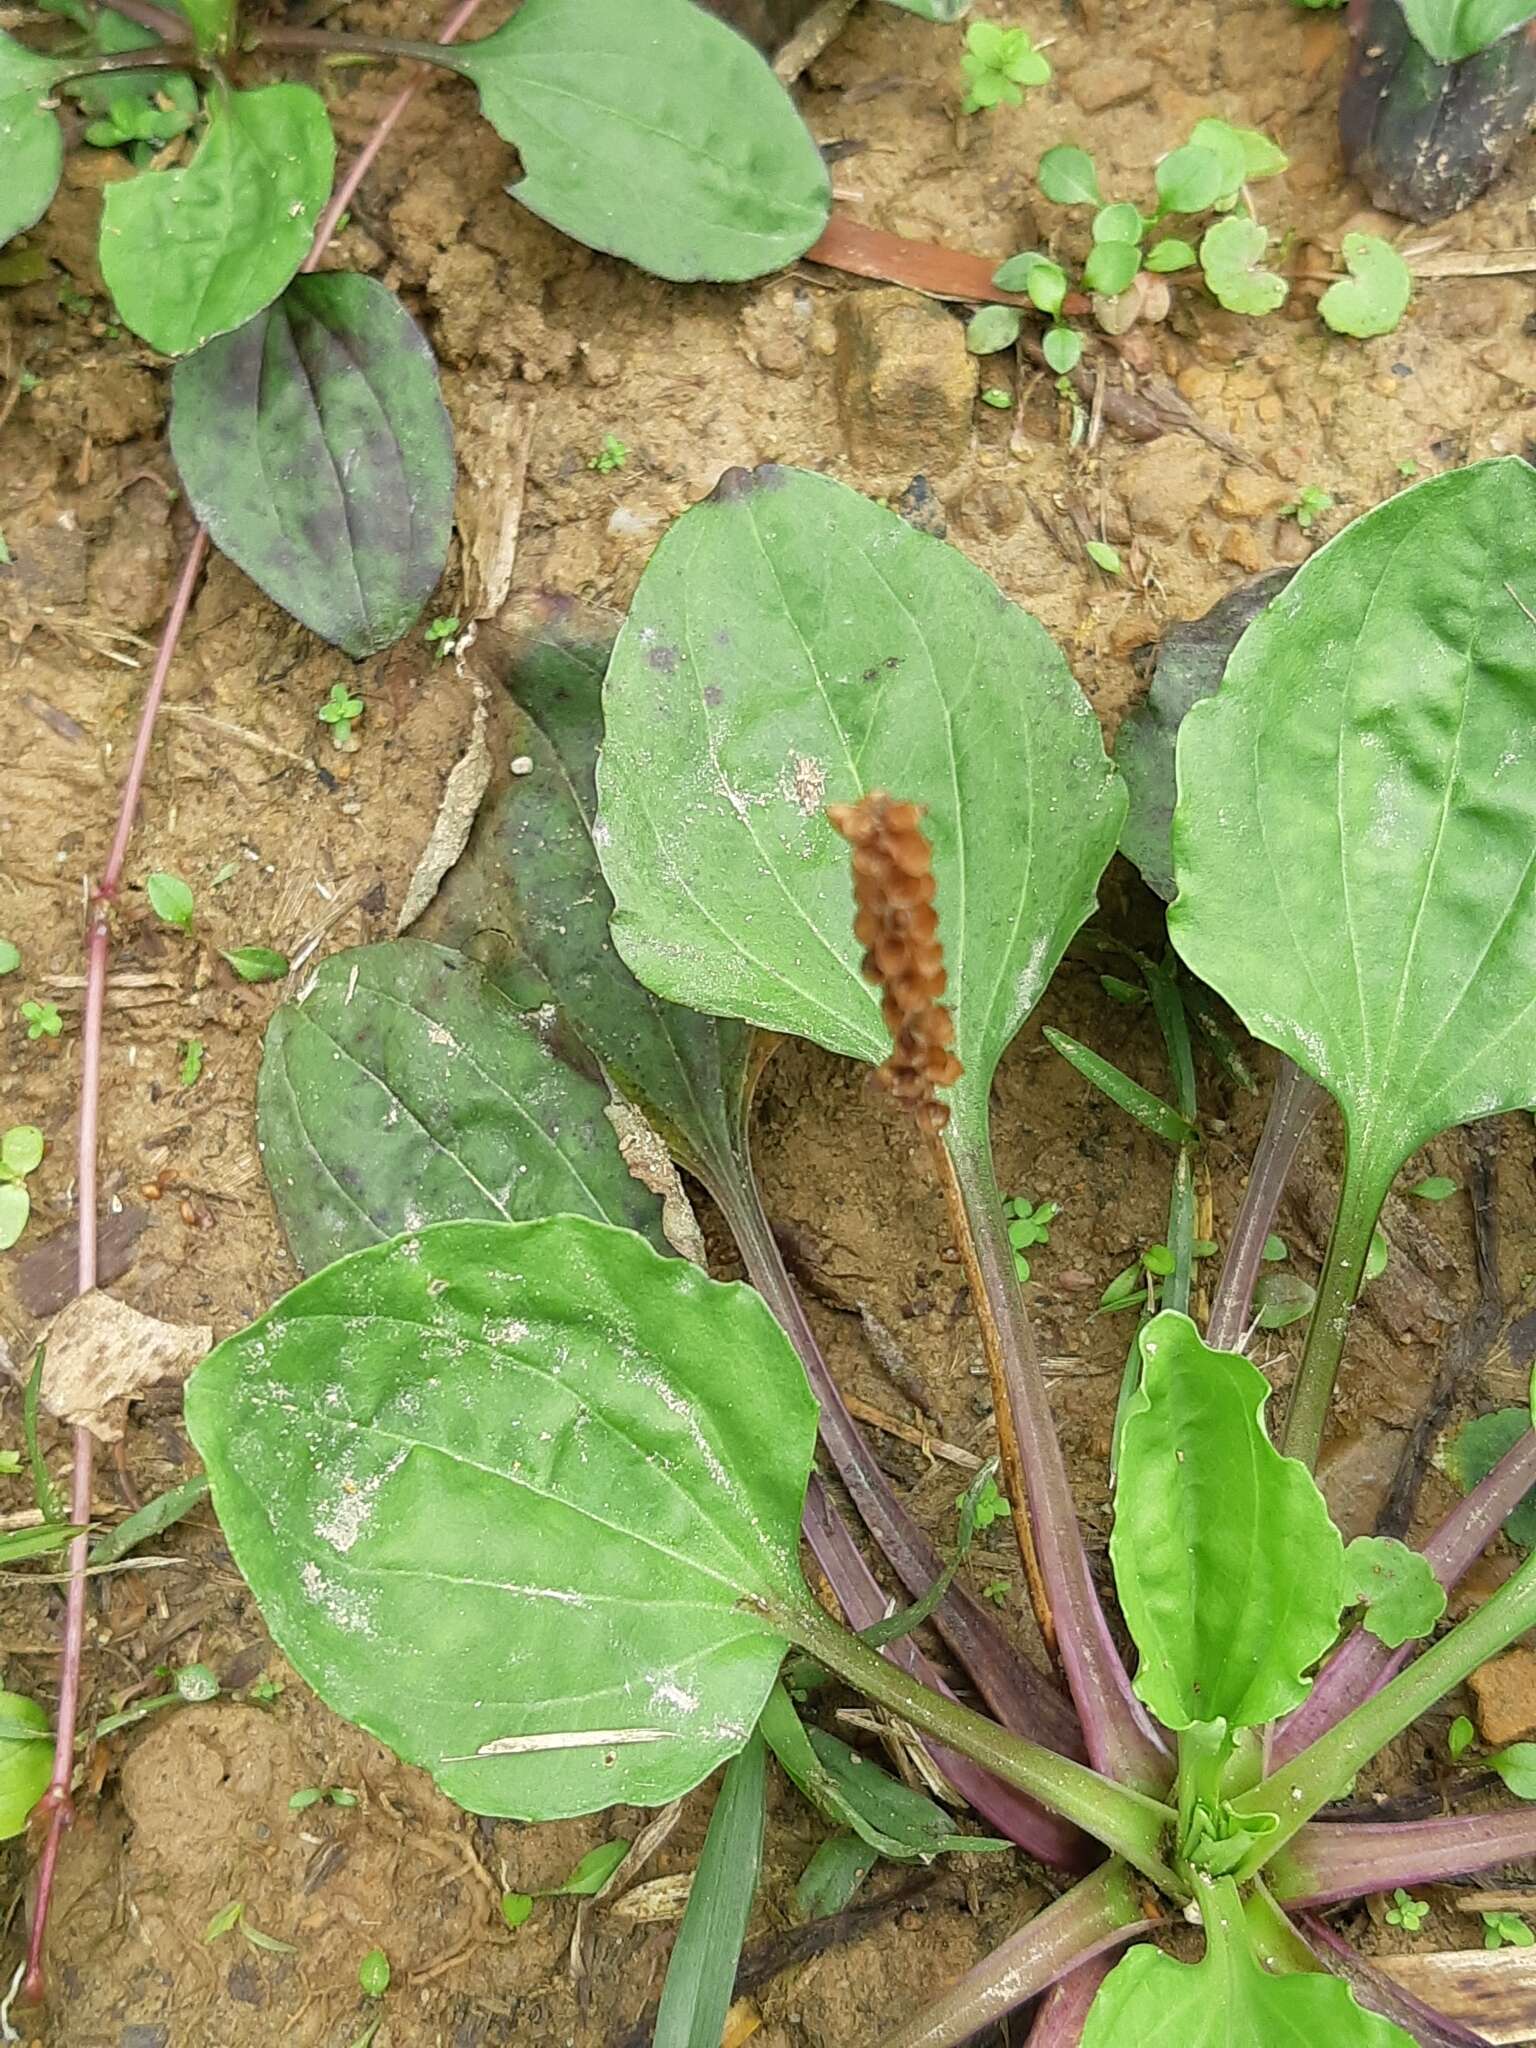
x,y
56,1805
931,1446
239,732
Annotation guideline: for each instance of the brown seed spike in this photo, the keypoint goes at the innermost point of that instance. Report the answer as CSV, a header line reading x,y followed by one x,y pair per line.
x,y
897,926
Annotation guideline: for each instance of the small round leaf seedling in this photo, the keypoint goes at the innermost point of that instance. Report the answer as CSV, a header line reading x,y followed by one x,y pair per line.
x,y
1066,175
10,956
21,1151
171,900
998,64
1231,256
1189,180
373,1973
1374,297
257,963
1062,349
41,1018
992,329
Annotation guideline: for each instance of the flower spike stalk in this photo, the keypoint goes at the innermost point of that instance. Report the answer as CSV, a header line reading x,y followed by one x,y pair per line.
x,y
897,924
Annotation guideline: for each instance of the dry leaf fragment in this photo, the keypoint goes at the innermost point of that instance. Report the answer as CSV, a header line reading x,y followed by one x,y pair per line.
x,y
103,1354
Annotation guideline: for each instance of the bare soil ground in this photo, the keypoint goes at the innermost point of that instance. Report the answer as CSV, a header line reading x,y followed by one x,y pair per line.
x,y
539,338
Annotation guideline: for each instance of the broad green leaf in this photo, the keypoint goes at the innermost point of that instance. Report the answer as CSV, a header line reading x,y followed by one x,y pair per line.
x,y
1228,1999
1111,267
993,328
315,447
31,140
1231,258
195,253
1438,1188
1453,29
1189,180
25,1767
500,1492
528,895
257,963
655,133
21,1150
791,644
1472,1453
855,1793
1190,658
1357,814
1516,1765
1375,295
15,1208
1228,1568
701,1972
1396,1586
1067,176
405,1089
1119,223
1245,155
1170,254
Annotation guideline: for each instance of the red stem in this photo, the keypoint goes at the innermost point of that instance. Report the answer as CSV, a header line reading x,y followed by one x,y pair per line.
x,y
1332,1860
56,1804
1102,1912
1295,1101
1362,1665
1063,2012
1011,1812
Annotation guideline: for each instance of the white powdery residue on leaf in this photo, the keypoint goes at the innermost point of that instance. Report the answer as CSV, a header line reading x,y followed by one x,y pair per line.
x,y
512,1331
804,784
665,1693
348,1515
343,1606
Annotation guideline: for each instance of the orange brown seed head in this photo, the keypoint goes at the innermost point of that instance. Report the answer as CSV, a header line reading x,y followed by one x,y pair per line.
x,y
896,924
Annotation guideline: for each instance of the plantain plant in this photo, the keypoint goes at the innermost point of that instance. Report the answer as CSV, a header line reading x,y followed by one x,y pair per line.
x,y
522,1494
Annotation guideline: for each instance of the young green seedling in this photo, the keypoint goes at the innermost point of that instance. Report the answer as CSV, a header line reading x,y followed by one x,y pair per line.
x,y
1406,1912
999,63
1306,505
10,956
41,1018
611,456
341,711
439,636
171,900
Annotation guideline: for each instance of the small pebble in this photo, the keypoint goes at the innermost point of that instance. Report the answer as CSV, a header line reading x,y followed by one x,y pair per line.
x,y
523,765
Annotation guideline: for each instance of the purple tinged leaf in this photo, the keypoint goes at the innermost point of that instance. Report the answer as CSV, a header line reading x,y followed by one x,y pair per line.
x,y
315,448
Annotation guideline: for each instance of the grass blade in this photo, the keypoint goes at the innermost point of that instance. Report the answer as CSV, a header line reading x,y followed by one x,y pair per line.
x,y
702,1973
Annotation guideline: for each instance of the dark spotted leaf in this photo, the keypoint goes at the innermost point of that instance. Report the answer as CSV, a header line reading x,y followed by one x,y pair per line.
x,y
403,1089
315,448
529,893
